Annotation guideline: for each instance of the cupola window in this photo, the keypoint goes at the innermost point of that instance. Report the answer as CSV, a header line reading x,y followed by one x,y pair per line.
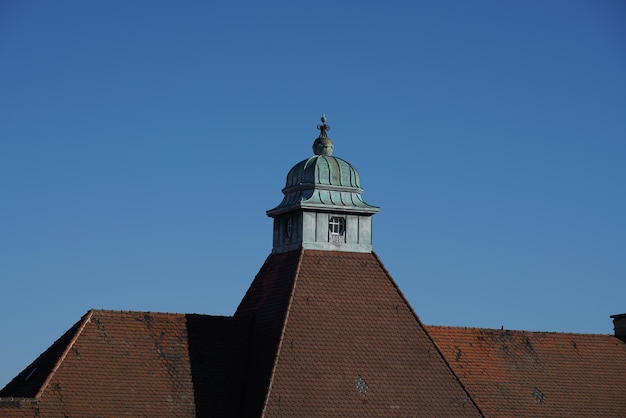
x,y
337,225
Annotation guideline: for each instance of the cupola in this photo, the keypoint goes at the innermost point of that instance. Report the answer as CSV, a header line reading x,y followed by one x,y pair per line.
x,y
322,207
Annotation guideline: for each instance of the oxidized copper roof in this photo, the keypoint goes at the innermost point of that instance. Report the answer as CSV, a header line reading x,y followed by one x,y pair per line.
x,y
323,182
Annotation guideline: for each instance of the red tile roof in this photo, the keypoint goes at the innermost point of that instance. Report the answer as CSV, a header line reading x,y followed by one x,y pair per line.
x,y
521,373
135,364
319,333
266,302
343,341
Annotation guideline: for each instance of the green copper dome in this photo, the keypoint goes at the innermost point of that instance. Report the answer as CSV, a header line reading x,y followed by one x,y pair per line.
x,y
323,182
320,169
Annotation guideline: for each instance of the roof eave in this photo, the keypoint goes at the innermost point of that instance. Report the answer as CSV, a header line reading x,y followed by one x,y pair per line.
x,y
316,207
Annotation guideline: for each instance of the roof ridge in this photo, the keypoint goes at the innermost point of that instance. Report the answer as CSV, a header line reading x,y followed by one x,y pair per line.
x,y
282,331
460,327
137,312
16,398
86,319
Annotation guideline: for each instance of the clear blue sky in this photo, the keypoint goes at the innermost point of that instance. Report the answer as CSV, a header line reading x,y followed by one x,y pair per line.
x,y
141,143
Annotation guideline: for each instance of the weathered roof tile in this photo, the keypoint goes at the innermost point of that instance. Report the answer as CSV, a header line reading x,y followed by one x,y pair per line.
x,y
522,373
114,363
339,323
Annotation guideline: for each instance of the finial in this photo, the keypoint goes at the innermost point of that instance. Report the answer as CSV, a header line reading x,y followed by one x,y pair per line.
x,y
323,127
323,145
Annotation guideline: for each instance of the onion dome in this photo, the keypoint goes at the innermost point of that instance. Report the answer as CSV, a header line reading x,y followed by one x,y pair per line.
x,y
323,182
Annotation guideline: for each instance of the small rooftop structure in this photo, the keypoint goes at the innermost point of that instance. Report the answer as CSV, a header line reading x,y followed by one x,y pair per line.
x,y
323,208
